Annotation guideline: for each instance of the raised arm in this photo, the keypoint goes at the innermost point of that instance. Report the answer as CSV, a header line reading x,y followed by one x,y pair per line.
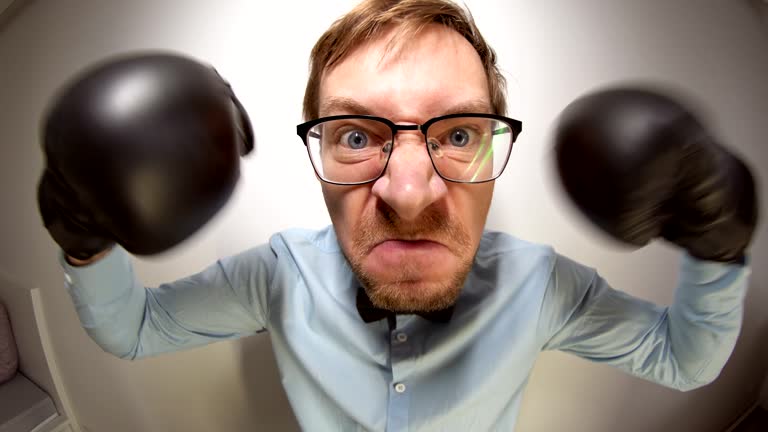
x,y
641,166
227,300
684,345
141,151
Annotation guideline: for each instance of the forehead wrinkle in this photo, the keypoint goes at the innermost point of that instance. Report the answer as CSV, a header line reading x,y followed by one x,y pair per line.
x,y
342,105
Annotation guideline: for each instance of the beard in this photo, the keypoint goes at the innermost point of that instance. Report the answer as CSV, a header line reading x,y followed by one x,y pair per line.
x,y
407,290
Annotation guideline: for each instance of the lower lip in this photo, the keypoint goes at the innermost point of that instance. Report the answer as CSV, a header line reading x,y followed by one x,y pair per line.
x,y
390,258
395,253
405,246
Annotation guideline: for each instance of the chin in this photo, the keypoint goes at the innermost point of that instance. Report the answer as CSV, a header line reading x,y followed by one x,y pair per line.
x,y
405,293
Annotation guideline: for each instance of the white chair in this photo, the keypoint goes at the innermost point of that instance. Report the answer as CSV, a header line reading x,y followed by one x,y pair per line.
x,y
35,400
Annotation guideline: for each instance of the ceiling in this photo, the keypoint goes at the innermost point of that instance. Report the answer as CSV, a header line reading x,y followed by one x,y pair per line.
x,y
10,8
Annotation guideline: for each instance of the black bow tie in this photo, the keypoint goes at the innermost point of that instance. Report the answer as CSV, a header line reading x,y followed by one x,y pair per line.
x,y
370,313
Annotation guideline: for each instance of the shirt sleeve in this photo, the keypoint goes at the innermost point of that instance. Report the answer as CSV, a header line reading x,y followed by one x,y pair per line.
x,y
225,301
684,345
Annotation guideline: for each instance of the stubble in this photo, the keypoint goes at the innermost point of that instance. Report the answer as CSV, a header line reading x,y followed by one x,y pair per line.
x,y
407,291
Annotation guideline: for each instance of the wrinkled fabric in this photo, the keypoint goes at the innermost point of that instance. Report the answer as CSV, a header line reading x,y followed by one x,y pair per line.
x,y
342,374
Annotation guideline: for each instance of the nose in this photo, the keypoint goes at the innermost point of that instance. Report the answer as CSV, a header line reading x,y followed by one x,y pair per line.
x,y
410,183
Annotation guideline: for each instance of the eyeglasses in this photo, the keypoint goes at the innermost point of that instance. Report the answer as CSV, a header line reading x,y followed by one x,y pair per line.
x,y
355,149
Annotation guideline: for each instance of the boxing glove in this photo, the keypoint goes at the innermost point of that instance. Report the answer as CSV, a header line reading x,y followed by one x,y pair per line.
x,y
140,150
640,165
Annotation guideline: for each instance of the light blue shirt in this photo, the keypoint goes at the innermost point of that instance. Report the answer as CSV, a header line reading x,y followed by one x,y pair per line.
x,y
341,374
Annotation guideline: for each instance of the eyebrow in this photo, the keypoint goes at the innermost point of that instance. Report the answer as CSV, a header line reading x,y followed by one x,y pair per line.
x,y
336,105
339,105
473,106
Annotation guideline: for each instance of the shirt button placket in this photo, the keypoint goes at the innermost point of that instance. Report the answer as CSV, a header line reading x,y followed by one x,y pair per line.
x,y
399,401
399,394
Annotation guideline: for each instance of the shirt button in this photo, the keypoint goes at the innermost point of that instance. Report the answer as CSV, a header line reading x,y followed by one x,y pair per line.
x,y
400,387
402,337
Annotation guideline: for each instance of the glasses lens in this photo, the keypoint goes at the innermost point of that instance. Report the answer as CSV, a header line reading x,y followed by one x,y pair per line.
x,y
349,150
470,149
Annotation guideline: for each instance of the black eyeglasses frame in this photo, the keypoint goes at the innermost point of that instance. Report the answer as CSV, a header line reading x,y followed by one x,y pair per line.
x,y
303,130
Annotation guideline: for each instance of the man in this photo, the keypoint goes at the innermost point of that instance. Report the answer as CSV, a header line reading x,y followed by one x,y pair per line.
x,y
405,314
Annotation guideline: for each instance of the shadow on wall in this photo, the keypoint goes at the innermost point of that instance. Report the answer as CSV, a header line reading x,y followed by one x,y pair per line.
x,y
759,9
764,361
9,9
757,419
755,388
266,398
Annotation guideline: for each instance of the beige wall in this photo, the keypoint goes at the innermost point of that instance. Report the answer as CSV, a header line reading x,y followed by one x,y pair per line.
x,y
553,51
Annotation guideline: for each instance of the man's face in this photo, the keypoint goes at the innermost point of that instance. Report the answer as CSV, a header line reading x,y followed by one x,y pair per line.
x,y
410,236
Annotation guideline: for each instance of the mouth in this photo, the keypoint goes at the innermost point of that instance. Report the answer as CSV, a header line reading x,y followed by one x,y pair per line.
x,y
398,259
408,246
408,240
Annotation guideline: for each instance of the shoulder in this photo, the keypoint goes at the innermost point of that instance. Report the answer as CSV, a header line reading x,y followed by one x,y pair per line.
x,y
499,246
505,260
310,252
318,241
289,245
495,245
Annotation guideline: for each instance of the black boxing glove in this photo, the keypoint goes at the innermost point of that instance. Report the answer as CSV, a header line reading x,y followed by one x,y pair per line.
x,y
142,151
640,166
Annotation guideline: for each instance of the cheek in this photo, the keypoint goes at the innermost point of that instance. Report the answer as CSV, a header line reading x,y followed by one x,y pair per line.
x,y
345,205
473,203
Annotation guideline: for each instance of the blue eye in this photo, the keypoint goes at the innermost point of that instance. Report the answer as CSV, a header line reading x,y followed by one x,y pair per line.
x,y
459,137
355,139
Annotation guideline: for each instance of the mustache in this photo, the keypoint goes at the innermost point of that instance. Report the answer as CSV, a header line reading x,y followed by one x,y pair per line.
x,y
435,224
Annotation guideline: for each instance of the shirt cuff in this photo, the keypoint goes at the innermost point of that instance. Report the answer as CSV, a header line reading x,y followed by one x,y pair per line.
x,y
711,283
100,282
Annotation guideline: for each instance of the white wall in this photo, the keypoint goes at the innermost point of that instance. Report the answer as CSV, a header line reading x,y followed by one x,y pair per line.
x,y
553,51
